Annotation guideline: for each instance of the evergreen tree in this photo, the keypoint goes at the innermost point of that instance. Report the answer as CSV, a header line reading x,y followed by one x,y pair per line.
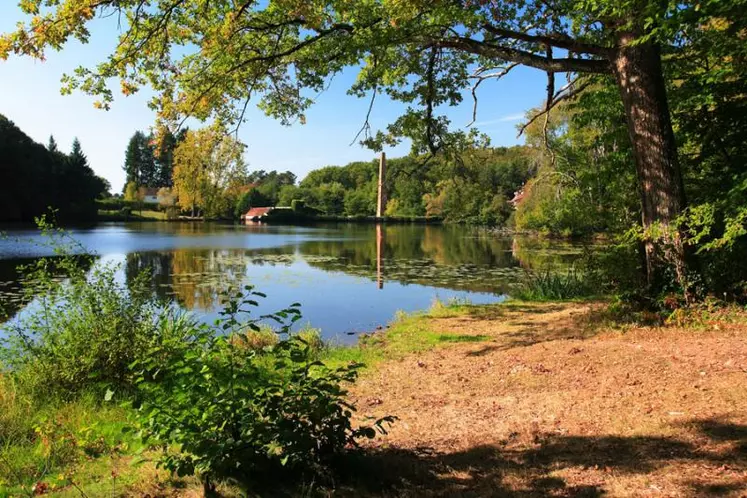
x,y
164,156
52,144
140,164
76,157
34,177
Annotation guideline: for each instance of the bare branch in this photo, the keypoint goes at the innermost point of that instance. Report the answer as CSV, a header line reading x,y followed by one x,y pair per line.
x,y
366,126
480,78
570,94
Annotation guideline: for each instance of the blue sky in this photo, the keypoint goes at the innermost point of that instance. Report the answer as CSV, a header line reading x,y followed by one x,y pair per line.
x,y
30,96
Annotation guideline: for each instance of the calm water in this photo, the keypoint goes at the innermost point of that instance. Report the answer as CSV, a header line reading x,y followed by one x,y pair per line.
x,y
349,278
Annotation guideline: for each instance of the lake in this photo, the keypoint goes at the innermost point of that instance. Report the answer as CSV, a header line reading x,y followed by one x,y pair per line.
x,y
349,278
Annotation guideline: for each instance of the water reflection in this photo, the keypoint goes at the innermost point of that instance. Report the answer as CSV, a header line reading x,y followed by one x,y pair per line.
x,y
337,272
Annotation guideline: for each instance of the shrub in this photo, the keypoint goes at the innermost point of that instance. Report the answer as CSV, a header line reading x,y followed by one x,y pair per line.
x,y
298,205
83,327
172,213
555,286
230,411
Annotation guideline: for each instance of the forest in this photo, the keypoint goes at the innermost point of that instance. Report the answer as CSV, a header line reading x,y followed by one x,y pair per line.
x,y
35,179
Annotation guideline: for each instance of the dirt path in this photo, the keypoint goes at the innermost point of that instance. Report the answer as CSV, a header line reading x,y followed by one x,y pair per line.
x,y
537,400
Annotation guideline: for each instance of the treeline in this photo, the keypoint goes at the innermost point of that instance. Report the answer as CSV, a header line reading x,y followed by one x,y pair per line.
x,y
474,187
35,178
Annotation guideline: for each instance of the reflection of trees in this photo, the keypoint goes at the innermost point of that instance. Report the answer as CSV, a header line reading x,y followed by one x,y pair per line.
x,y
13,296
158,264
195,278
454,257
544,254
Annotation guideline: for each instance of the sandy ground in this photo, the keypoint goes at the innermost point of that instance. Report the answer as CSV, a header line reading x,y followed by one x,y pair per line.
x,y
549,403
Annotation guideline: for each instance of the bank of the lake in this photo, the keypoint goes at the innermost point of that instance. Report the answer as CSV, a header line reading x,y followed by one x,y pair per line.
x,y
516,399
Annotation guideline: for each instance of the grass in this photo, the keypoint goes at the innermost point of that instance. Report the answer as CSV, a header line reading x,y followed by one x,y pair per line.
x,y
47,442
408,333
554,286
116,215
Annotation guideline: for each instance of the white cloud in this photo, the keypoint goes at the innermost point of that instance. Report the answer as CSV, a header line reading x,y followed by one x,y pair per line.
x,y
505,119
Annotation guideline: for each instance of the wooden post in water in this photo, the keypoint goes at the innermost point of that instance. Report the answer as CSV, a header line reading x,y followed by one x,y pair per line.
x,y
379,256
381,203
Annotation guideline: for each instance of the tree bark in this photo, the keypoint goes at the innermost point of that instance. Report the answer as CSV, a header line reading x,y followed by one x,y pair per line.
x,y
638,71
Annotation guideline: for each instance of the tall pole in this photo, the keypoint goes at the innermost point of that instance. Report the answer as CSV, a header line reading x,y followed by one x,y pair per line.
x,y
381,204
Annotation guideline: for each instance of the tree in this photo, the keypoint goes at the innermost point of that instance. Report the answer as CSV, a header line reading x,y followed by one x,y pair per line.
x,y
34,178
206,164
164,144
140,163
422,53
52,144
77,158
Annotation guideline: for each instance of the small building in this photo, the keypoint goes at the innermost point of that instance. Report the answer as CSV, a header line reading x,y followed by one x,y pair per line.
x,y
150,195
257,213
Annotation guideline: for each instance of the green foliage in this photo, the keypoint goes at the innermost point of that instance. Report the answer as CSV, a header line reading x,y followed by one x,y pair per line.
x,y
269,186
40,435
149,158
556,286
252,198
228,401
230,405
471,189
33,179
140,161
83,327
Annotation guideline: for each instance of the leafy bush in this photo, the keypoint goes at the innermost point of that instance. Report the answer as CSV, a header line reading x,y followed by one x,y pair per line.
x,y
172,213
84,332
225,410
82,328
554,286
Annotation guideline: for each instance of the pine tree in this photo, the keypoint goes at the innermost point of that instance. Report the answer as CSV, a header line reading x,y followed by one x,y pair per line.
x,y
140,163
77,158
52,144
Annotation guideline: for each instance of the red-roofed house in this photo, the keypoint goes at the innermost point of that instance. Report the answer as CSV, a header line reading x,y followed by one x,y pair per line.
x,y
256,214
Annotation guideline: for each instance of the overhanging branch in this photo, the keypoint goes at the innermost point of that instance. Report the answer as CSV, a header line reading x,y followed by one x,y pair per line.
x,y
556,40
511,54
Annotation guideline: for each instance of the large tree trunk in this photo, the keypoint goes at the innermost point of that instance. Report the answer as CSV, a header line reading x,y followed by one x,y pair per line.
x,y
638,71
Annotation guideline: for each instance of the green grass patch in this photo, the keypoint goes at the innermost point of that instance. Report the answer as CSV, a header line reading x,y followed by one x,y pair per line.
x,y
108,215
408,333
56,438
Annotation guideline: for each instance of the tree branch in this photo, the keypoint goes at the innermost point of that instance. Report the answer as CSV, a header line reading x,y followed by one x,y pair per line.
x,y
523,57
480,78
557,100
557,40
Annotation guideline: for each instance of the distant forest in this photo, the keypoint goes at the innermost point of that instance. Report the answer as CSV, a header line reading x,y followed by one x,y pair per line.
x,y
475,187
35,178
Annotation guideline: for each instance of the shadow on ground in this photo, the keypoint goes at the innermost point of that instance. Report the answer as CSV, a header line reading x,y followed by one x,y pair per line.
x,y
522,332
489,471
